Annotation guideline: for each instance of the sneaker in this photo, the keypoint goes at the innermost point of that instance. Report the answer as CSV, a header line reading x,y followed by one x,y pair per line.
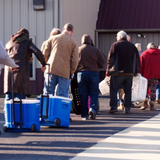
x,y
112,110
132,105
121,106
84,118
127,110
92,114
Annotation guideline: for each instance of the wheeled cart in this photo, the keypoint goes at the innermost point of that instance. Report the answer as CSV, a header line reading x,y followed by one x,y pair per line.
x,y
55,110
22,115
75,95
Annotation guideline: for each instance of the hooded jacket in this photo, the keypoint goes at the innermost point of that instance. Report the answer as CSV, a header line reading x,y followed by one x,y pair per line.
x,y
20,49
91,58
150,63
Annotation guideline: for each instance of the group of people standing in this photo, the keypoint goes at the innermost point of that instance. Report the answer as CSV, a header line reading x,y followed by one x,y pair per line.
x,y
61,59
126,60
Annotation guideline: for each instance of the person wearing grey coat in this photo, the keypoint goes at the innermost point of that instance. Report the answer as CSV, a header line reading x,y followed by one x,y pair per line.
x,y
5,59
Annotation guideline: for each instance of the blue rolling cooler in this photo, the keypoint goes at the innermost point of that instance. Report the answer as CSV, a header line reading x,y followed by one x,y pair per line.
x,y
55,110
22,115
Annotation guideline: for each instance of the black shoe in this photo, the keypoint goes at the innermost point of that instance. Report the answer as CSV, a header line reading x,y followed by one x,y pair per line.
x,y
92,114
127,110
112,110
132,105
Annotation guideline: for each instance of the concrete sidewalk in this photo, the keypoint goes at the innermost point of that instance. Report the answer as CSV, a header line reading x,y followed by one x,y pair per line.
x,y
139,142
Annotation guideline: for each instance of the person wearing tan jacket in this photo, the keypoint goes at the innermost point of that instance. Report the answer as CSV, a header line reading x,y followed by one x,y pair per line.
x,y
62,53
54,32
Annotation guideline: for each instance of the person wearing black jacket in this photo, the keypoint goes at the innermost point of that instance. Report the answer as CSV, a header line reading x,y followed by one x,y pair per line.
x,y
123,64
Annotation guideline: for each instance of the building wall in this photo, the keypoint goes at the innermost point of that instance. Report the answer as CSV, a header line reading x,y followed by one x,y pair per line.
x,y
106,39
82,14
16,14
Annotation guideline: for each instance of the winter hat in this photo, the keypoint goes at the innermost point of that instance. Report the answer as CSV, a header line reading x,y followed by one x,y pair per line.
x,y
23,31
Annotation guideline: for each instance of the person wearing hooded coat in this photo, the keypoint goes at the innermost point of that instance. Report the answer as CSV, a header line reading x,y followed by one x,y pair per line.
x,y
20,49
90,63
150,69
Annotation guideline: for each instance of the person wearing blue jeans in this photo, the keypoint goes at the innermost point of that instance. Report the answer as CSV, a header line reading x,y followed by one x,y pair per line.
x,y
88,86
158,93
91,60
63,85
61,54
8,96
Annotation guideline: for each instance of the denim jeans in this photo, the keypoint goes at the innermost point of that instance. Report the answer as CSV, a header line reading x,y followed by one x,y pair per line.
x,y
88,83
158,91
63,85
8,96
115,84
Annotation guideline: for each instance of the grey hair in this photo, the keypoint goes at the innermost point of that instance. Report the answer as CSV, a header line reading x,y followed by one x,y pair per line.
x,y
151,45
122,34
138,46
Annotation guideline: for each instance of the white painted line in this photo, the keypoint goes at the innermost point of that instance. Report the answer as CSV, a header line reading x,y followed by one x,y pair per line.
x,y
139,142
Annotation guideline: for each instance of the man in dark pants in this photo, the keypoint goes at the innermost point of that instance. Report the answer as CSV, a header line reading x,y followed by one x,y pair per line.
x,y
123,64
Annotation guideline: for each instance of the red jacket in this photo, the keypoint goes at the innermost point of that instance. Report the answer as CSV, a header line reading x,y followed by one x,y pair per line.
x,y
150,63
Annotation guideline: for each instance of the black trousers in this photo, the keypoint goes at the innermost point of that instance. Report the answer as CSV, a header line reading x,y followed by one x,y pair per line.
x,y
116,82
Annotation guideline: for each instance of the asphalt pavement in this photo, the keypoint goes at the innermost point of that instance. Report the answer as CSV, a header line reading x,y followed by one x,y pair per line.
x,y
108,137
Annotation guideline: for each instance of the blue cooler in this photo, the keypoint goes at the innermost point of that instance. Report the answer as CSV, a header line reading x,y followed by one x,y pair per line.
x,y
22,119
55,111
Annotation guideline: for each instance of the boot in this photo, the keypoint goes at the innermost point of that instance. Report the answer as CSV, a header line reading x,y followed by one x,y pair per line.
x,y
158,101
151,104
121,106
144,104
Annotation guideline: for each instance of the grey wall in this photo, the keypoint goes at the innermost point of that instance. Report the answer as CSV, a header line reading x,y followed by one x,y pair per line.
x,y
104,40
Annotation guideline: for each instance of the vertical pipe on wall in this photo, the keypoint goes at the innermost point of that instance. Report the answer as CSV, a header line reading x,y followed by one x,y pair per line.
x,y
56,14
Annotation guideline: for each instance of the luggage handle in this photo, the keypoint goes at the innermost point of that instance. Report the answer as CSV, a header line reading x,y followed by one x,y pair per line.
x,y
15,101
43,96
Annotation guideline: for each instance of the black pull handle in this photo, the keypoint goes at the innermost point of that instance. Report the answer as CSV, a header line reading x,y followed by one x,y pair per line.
x,y
47,100
14,101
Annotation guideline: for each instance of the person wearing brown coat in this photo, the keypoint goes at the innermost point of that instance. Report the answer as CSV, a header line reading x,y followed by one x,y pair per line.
x,y
91,61
20,49
62,53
